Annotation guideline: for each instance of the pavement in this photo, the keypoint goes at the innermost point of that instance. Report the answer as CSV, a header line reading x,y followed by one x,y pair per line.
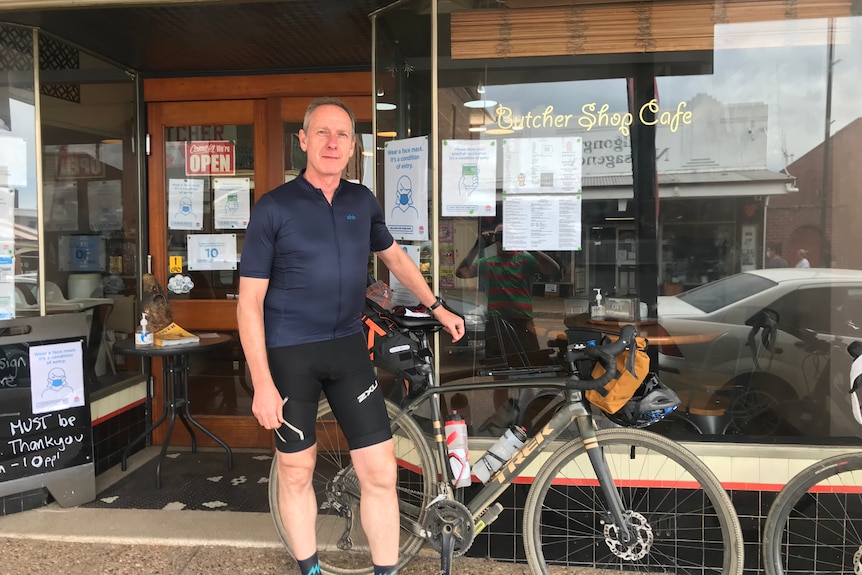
x,y
87,541
53,540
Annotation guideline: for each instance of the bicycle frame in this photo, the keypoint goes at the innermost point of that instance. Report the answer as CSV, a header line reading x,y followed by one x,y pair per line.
x,y
574,410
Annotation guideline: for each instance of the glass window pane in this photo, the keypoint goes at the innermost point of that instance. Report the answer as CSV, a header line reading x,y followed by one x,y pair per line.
x,y
91,197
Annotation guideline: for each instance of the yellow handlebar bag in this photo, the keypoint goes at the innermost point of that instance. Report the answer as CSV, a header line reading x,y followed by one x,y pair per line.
x,y
618,391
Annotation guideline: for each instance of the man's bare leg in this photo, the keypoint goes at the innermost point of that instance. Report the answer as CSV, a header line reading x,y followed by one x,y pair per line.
x,y
376,470
297,504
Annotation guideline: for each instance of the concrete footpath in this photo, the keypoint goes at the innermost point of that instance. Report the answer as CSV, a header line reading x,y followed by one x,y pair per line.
x,y
85,541
52,540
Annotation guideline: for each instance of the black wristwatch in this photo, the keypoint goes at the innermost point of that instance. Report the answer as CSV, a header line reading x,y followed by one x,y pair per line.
x,y
436,304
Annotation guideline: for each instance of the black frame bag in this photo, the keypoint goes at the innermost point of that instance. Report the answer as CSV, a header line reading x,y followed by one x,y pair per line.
x,y
392,349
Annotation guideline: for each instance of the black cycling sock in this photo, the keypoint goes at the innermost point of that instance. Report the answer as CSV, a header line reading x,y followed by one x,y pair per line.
x,y
310,566
388,570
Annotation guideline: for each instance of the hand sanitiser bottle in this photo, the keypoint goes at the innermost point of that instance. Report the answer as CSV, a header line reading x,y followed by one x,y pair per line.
x,y
143,336
598,310
500,453
456,444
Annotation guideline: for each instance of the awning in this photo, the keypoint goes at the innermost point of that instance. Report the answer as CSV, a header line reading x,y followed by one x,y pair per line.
x,y
694,185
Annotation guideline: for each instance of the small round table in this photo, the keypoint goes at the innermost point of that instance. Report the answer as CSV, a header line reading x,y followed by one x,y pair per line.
x,y
175,390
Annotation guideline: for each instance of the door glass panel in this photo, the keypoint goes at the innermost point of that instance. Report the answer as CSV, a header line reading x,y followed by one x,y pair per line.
x,y
209,190
209,184
219,382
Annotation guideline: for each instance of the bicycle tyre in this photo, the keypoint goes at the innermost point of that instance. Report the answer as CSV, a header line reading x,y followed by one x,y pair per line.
x,y
815,524
416,481
686,523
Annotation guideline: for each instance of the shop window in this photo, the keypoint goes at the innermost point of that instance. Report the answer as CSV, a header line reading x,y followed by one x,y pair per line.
x,y
740,161
90,197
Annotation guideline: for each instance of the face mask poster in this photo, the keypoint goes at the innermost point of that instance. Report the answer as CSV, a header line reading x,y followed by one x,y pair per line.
x,y
406,185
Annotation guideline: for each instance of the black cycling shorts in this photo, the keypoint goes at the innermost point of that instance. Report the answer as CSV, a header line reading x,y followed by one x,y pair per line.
x,y
340,369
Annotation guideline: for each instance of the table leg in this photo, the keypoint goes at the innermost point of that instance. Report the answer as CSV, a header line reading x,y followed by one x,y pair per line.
x,y
165,444
179,369
151,427
184,375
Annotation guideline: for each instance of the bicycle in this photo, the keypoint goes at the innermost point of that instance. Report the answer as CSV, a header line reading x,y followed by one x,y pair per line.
x,y
620,498
815,524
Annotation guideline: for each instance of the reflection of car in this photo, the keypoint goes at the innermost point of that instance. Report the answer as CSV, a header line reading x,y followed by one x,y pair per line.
x,y
757,389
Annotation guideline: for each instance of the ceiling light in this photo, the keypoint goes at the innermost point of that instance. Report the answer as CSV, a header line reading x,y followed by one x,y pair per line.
x,y
499,131
476,128
480,103
367,154
112,141
387,134
380,93
385,106
480,89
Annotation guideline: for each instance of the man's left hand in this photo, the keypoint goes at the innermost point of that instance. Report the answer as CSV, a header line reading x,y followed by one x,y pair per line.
x,y
453,324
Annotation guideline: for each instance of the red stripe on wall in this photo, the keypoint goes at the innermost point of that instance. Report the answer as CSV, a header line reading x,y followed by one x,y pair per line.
x,y
118,412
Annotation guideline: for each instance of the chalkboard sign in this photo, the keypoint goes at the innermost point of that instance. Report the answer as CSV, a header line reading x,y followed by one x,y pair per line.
x,y
51,447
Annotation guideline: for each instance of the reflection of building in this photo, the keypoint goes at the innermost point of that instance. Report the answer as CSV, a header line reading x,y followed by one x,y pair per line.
x,y
795,222
713,182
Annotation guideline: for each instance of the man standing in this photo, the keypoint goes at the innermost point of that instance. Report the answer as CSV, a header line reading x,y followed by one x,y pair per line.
x,y
803,259
773,257
302,290
507,277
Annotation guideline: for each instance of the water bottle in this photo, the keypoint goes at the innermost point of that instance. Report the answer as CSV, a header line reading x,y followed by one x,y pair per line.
x,y
456,444
500,452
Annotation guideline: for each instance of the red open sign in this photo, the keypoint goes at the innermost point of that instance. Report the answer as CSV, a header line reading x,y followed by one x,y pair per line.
x,y
210,158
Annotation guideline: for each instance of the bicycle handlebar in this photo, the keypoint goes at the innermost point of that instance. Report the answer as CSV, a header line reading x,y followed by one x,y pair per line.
x,y
606,356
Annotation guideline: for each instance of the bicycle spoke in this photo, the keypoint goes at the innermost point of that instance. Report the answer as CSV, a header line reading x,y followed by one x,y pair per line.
x,y
678,514
814,524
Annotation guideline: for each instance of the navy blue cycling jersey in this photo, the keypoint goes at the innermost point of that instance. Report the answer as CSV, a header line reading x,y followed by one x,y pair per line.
x,y
315,256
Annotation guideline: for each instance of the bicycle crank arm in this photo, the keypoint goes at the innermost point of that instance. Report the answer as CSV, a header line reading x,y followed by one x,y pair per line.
x,y
447,551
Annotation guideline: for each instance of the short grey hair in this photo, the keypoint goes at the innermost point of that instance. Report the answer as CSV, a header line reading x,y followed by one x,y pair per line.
x,y
329,101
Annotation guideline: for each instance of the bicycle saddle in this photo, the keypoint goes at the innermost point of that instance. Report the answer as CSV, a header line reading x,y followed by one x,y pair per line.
x,y
414,319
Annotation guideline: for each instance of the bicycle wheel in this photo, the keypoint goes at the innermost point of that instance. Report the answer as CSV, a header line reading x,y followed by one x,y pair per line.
x,y
682,519
342,545
815,524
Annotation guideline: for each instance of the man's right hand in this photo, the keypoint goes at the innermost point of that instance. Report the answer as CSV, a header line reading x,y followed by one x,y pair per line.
x,y
268,406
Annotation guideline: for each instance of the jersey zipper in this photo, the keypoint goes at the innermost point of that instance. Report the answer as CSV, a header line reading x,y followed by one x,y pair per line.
x,y
339,308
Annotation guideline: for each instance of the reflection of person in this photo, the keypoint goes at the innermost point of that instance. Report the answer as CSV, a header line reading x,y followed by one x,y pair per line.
x,y
302,291
773,257
507,277
803,259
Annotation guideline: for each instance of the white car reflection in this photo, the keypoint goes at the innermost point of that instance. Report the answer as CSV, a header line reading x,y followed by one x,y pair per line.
x,y
730,385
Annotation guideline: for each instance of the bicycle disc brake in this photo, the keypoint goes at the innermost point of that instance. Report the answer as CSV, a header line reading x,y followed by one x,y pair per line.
x,y
451,519
341,493
641,543
857,562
